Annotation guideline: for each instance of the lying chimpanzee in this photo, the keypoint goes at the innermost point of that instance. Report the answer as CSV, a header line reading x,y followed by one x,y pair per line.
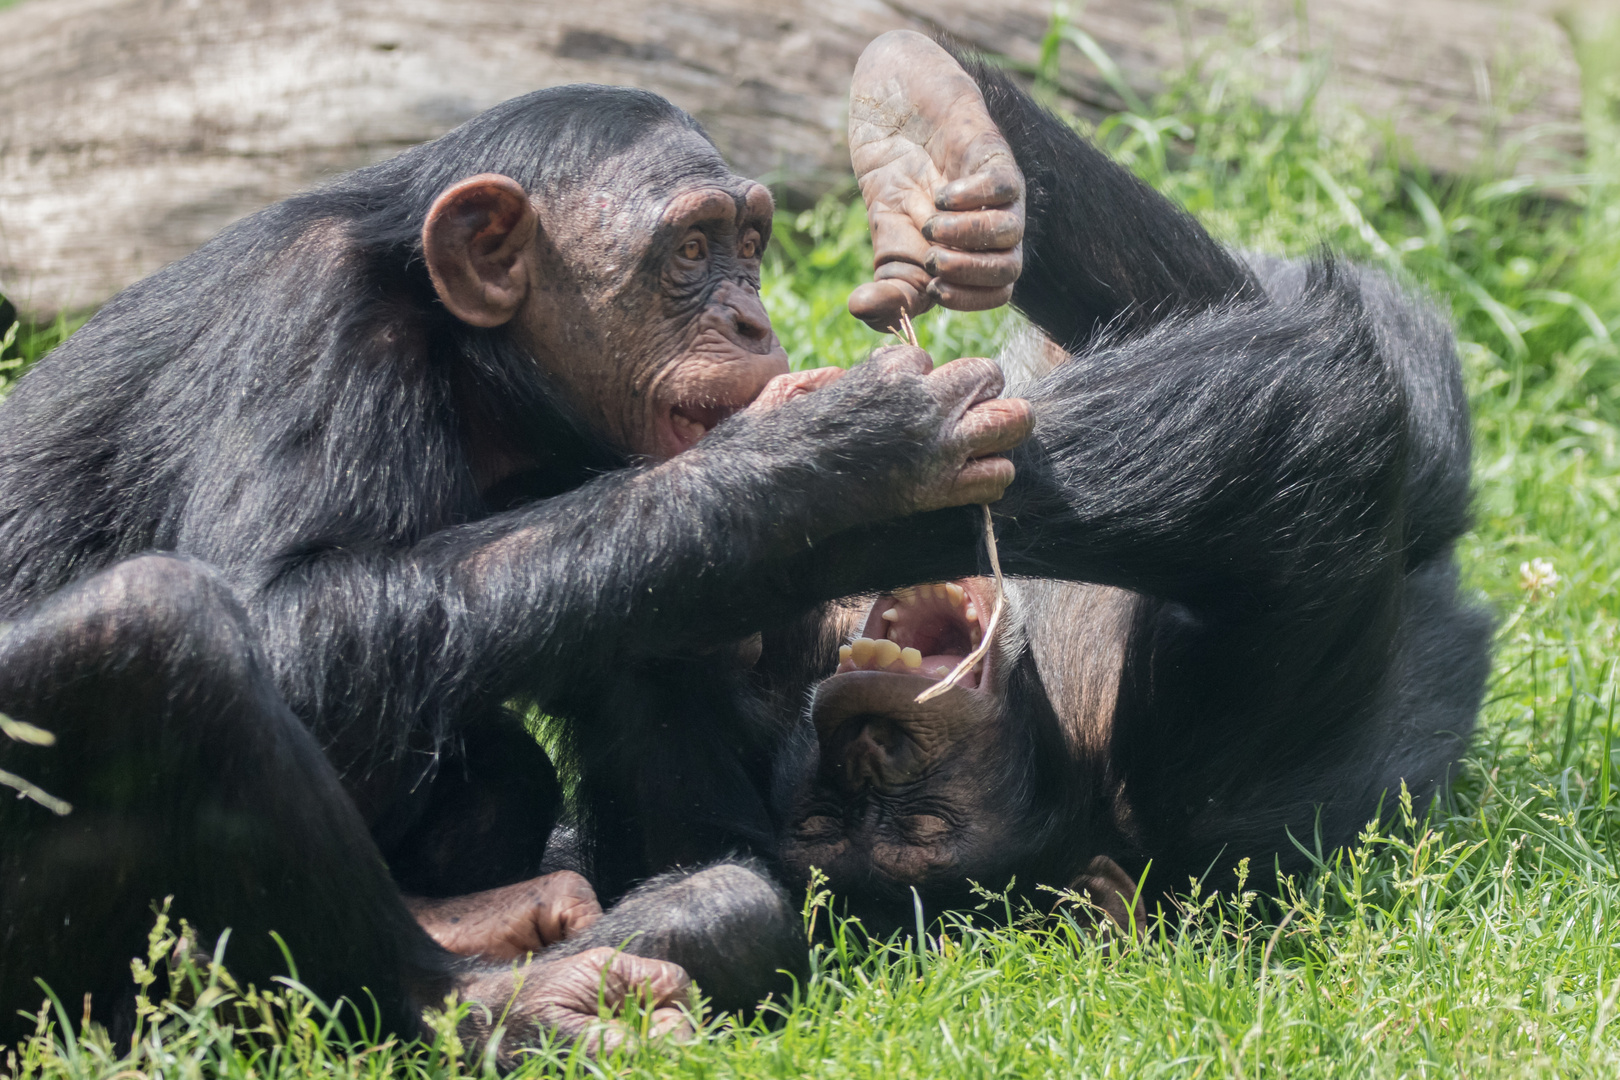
x,y
1254,474
408,448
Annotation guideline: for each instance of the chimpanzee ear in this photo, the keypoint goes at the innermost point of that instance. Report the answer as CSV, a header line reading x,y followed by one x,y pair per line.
x,y
476,241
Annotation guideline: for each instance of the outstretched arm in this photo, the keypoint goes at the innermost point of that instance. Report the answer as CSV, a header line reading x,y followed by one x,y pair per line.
x,y
659,560
1246,459
1211,447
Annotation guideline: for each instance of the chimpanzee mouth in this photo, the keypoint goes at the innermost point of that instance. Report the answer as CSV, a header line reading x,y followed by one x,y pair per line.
x,y
690,422
925,630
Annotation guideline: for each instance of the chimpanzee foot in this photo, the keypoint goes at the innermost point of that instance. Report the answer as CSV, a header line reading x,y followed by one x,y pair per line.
x,y
1106,884
580,998
513,921
729,925
944,195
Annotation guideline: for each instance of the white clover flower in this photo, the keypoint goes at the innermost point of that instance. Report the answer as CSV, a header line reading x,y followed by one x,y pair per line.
x,y
1537,577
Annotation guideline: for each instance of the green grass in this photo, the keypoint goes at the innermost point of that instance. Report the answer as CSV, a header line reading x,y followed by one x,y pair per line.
x,y
1481,941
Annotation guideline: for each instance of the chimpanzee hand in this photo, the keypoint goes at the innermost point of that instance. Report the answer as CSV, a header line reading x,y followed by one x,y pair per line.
x,y
512,921
968,425
969,422
944,195
579,998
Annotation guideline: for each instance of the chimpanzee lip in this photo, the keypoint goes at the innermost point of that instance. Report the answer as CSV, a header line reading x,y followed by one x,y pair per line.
x,y
924,632
843,697
688,423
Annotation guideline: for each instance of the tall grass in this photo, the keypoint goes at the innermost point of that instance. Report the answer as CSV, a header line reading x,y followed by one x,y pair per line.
x,y
1478,938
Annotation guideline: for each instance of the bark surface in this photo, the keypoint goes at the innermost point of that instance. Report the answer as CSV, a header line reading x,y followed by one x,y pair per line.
x,y
133,130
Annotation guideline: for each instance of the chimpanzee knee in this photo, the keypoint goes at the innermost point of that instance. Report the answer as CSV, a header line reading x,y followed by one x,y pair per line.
x,y
729,925
127,627
185,775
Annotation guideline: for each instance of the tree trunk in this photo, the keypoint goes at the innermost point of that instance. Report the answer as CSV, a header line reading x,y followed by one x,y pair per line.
x,y
132,130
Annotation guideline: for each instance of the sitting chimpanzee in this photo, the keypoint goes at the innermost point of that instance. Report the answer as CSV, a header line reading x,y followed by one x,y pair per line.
x,y
1251,476
286,526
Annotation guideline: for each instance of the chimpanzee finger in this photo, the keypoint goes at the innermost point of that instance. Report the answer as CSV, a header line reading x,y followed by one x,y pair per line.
x,y
982,480
904,270
671,1024
990,186
657,983
563,905
981,230
968,297
994,426
979,269
969,381
895,238
901,357
879,304
785,388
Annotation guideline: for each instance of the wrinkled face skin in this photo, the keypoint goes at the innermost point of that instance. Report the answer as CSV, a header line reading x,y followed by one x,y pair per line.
x,y
646,308
906,794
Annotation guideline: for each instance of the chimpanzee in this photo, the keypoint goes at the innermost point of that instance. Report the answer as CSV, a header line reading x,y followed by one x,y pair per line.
x,y
286,527
1239,630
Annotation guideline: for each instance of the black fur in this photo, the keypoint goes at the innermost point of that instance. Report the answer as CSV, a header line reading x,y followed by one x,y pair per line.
x,y
1273,463
289,408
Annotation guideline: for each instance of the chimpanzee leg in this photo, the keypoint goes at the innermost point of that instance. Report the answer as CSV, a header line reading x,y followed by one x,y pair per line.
x,y
729,925
677,758
188,777
491,810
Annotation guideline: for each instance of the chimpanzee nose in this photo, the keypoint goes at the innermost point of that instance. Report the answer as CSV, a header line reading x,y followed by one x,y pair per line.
x,y
747,313
880,756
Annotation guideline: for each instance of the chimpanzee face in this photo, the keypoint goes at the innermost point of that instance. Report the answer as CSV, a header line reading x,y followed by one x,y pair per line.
x,y
636,287
663,335
905,793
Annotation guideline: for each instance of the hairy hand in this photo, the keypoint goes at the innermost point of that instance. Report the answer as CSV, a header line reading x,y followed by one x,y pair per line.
x,y
581,998
944,196
976,426
513,921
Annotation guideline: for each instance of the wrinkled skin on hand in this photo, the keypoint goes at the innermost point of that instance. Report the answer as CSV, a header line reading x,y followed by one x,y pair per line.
x,y
513,921
980,424
944,195
578,998
975,424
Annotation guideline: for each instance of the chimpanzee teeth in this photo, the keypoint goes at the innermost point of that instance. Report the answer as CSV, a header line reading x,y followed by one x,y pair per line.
x,y
954,591
972,613
876,655
891,615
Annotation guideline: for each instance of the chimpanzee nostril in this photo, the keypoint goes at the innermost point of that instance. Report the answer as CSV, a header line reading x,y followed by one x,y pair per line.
x,y
881,757
745,311
754,325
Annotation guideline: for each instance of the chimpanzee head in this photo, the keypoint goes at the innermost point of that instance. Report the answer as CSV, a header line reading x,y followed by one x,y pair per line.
x,y
930,795
600,230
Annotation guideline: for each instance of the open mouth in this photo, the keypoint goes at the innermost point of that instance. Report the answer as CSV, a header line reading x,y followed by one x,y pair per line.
x,y
690,422
925,630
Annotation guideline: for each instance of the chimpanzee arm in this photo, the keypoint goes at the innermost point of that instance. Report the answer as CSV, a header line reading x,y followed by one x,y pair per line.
x,y
1240,460
1207,444
648,561
1101,248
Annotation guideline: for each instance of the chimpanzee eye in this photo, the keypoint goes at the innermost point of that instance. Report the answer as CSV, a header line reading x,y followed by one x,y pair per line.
x,y
750,246
693,248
